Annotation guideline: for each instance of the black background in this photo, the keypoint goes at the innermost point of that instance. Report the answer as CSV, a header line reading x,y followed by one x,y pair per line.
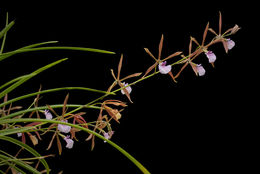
x,y
199,124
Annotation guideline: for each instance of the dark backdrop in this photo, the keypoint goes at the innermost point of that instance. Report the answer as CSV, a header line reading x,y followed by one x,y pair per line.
x,y
197,124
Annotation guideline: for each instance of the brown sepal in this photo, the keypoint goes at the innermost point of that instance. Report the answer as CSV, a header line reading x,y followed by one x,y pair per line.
x,y
50,144
225,45
205,34
160,48
59,144
119,67
148,52
173,55
131,76
220,23
64,105
172,76
150,69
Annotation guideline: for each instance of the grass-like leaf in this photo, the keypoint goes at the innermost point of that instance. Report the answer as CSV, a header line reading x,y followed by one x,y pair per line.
x,y
13,81
25,78
7,28
30,150
4,38
30,49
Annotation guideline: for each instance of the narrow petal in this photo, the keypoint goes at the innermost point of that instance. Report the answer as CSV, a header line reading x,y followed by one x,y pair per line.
x,y
160,48
119,67
225,45
220,23
205,34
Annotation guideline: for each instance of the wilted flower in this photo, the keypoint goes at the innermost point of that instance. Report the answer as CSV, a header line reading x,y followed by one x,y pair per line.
x,y
69,142
47,114
108,135
200,70
129,89
211,56
230,43
235,29
64,128
19,134
163,68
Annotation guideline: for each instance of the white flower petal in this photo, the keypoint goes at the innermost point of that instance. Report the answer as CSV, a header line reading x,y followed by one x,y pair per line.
x,y
69,142
64,128
129,89
47,114
200,69
230,44
164,69
211,56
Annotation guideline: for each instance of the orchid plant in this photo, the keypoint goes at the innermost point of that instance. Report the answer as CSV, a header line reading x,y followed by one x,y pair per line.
x,y
18,124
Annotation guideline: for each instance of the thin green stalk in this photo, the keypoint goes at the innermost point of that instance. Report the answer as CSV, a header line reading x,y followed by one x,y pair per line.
x,y
7,28
45,107
119,89
53,90
125,153
4,39
89,104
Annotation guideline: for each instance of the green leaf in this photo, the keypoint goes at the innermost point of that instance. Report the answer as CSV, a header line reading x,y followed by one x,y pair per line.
x,y
7,28
3,42
30,150
24,50
24,79
38,44
13,81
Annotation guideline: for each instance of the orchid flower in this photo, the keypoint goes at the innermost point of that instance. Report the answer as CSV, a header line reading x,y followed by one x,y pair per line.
x,y
163,68
47,114
64,128
119,81
211,56
69,142
161,63
200,70
128,89
227,43
108,135
230,43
